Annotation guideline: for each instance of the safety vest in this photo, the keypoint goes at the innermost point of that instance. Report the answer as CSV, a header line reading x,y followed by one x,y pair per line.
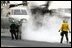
x,y
65,27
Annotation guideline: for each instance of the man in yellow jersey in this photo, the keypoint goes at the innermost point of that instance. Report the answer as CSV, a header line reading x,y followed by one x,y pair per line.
x,y
64,30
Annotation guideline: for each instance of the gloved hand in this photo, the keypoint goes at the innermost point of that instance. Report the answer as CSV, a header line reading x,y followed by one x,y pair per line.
x,y
69,31
59,31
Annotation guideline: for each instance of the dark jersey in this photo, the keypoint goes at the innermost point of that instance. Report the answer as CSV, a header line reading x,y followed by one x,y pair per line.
x,y
13,27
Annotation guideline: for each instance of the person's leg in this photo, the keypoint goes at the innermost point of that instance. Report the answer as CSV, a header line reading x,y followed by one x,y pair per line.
x,y
20,35
12,36
62,38
66,34
15,35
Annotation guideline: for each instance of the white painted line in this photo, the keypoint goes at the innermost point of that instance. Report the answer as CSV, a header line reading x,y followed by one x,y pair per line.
x,y
7,46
